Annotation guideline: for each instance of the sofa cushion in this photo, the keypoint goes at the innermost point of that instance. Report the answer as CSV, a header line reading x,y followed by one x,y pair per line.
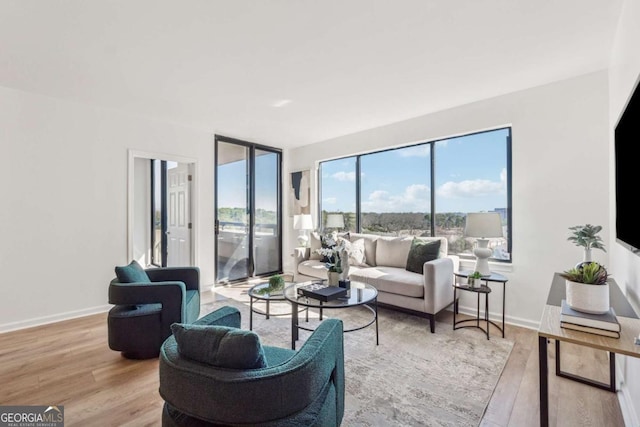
x,y
131,273
314,245
356,253
421,251
393,251
369,246
393,280
220,346
444,244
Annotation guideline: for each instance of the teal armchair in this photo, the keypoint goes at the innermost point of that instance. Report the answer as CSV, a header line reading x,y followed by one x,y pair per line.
x,y
147,304
294,388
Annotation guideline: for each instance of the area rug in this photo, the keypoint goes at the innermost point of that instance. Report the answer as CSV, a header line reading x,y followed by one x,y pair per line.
x,y
412,378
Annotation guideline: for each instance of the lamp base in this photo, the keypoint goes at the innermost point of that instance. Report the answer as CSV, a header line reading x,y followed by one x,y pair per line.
x,y
482,253
303,240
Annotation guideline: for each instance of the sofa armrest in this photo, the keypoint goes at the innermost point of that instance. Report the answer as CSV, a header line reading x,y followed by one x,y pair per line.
x,y
301,254
438,284
456,262
190,276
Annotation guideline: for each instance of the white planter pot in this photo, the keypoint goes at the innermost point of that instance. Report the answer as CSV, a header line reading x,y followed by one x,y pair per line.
x,y
592,299
333,278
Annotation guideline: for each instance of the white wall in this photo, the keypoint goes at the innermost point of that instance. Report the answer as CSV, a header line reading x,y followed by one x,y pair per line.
x,y
557,129
64,202
625,266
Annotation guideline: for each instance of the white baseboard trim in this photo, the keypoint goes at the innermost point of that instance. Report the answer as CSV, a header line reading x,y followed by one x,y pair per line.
x,y
626,404
39,321
497,317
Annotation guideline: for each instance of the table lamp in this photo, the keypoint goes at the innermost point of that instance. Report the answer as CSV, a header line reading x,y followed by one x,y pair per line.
x,y
483,226
335,221
303,223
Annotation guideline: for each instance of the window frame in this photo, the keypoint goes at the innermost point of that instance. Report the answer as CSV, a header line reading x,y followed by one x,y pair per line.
x,y
433,161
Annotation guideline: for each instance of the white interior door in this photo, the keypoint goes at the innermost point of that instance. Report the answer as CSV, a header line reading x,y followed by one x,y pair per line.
x,y
178,215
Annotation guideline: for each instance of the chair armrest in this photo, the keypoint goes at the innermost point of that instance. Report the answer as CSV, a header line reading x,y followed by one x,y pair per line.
x,y
438,284
172,296
224,316
189,275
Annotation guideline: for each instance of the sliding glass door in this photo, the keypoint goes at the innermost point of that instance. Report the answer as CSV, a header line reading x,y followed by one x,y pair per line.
x,y
248,210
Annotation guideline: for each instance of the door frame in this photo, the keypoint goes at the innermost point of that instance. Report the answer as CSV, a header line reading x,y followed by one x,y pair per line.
x,y
251,202
132,155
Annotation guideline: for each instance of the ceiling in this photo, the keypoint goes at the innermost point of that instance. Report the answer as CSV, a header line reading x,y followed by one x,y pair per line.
x,y
345,66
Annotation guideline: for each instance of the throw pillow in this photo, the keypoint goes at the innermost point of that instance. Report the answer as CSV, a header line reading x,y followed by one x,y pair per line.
x,y
421,252
315,244
356,255
220,346
132,273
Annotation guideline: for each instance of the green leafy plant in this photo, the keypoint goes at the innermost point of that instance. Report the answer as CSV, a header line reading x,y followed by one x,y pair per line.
x,y
586,236
590,273
475,275
276,284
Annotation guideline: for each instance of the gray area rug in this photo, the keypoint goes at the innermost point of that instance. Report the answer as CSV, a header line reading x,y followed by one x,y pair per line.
x,y
412,378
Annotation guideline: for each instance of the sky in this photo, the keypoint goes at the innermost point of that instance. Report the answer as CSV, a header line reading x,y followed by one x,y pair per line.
x,y
470,176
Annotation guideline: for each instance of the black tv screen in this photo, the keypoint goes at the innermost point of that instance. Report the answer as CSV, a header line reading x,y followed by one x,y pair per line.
x,y
627,141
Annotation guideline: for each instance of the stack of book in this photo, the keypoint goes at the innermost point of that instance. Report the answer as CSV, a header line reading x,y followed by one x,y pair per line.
x,y
600,324
322,291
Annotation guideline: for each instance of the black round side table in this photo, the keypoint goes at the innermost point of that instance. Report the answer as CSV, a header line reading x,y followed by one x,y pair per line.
x,y
479,289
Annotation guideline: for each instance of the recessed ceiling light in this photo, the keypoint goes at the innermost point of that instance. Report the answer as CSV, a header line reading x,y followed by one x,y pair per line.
x,y
281,103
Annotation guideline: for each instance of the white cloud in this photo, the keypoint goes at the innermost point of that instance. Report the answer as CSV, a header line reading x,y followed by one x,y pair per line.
x,y
329,201
417,151
414,198
473,188
344,176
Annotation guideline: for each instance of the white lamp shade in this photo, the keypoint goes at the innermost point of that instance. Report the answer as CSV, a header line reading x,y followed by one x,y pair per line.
x,y
302,222
483,225
335,221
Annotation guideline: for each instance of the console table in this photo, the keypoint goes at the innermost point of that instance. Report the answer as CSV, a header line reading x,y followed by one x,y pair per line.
x,y
550,329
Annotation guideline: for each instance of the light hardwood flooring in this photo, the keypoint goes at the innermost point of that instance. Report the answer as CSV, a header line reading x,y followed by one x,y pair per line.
x,y
69,363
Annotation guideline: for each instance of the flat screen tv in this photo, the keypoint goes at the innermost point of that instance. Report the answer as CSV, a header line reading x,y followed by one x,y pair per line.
x,y
627,142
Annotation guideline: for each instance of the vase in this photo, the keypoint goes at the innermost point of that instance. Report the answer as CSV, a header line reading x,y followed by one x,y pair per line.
x,y
333,278
593,299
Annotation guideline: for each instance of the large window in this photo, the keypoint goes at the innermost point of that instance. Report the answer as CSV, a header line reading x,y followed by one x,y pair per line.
x,y
424,189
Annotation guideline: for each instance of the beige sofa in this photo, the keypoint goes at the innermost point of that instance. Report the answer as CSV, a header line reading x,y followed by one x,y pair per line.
x,y
384,267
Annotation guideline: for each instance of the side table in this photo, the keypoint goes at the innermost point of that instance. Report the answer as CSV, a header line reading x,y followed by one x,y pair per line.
x,y
482,289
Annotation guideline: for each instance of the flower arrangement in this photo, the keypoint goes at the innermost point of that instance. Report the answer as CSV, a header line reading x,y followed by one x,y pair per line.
x,y
332,248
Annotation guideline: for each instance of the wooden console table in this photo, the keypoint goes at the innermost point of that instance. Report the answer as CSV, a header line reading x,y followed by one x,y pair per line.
x,y
550,329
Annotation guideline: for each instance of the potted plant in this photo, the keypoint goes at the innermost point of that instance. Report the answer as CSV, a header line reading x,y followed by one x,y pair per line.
x,y
587,288
473,278
587,237
276,284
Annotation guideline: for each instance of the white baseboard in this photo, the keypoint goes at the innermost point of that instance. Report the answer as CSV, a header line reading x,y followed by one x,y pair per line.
x,y
38,321
497,317
626,404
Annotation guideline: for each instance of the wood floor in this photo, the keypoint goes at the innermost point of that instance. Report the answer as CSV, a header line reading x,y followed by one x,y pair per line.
x,y
69,363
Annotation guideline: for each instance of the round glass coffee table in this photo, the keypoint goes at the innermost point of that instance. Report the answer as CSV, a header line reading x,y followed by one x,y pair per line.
x,y
359,294
257,293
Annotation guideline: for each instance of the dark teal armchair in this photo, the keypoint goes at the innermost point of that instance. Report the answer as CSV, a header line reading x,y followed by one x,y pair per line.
x,y
296,388
143,311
